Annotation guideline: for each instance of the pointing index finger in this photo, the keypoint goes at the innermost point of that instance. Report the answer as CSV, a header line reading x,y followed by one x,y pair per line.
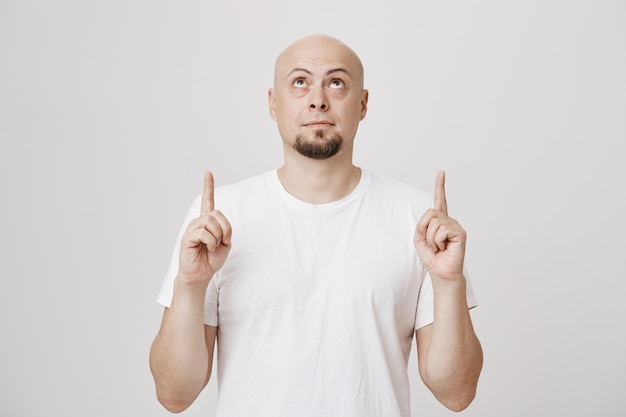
x,y
440,193
208,202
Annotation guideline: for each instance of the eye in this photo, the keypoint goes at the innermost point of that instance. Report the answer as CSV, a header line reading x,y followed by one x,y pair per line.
x,y
336,83
299,83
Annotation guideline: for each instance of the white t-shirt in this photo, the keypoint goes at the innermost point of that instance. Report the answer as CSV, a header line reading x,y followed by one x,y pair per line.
x,y
316,305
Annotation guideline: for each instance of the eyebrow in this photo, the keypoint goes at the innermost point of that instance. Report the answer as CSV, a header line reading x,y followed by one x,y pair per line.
x,y
343,70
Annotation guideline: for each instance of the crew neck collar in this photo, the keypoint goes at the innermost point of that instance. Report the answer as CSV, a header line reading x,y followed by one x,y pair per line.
x,y
352,196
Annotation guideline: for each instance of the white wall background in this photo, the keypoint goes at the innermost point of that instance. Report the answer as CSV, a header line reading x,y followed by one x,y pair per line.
x,y
111,111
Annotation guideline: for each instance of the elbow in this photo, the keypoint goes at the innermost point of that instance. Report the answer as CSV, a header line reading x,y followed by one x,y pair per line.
x,y
175,392
458,402
456,394
176,398
173,404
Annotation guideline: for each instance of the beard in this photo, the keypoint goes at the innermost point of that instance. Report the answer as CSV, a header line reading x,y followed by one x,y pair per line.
x,y
324,147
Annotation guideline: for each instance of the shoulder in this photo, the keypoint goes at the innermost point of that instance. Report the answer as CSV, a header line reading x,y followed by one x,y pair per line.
x,y
247,196
256,184
395,199
397,191
228,196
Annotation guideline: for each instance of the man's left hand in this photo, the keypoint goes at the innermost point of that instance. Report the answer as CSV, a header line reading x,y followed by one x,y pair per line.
x,y
439,239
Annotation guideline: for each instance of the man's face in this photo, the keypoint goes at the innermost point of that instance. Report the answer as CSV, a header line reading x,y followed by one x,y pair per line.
x,y
318,98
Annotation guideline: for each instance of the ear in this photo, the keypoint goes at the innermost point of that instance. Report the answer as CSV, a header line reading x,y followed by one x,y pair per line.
x,y
364,99
271,101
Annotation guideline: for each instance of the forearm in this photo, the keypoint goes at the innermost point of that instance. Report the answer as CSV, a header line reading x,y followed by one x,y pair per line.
x,y
180,359
453,360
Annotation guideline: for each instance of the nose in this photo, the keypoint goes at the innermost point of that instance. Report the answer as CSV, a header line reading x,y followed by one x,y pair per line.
x,y
318,100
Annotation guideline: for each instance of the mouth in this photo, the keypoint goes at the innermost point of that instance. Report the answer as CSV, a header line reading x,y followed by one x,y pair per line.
x,y
318,123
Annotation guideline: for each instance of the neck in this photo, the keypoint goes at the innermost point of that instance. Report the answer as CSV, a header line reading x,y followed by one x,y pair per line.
x,y
319,182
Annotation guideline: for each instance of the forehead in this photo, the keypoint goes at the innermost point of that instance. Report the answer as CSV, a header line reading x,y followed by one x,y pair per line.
x,y
318,55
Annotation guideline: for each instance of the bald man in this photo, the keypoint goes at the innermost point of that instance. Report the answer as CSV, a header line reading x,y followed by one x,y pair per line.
x,y
315,277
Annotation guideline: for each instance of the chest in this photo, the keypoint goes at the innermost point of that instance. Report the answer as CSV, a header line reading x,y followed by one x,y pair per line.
x,y
293,266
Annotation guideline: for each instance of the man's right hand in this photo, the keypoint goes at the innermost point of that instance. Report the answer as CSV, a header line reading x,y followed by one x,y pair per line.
x,y
206,242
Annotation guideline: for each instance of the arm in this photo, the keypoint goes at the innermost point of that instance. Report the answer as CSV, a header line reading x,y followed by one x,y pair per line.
x,y
450,356
182,352
181,356
449,353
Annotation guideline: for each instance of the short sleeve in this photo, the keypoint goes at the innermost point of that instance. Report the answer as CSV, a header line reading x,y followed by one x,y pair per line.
x,y
425,312
211,303
167,289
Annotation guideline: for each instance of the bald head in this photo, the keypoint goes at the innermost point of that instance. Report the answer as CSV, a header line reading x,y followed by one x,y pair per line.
x,y
318,98
318,49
